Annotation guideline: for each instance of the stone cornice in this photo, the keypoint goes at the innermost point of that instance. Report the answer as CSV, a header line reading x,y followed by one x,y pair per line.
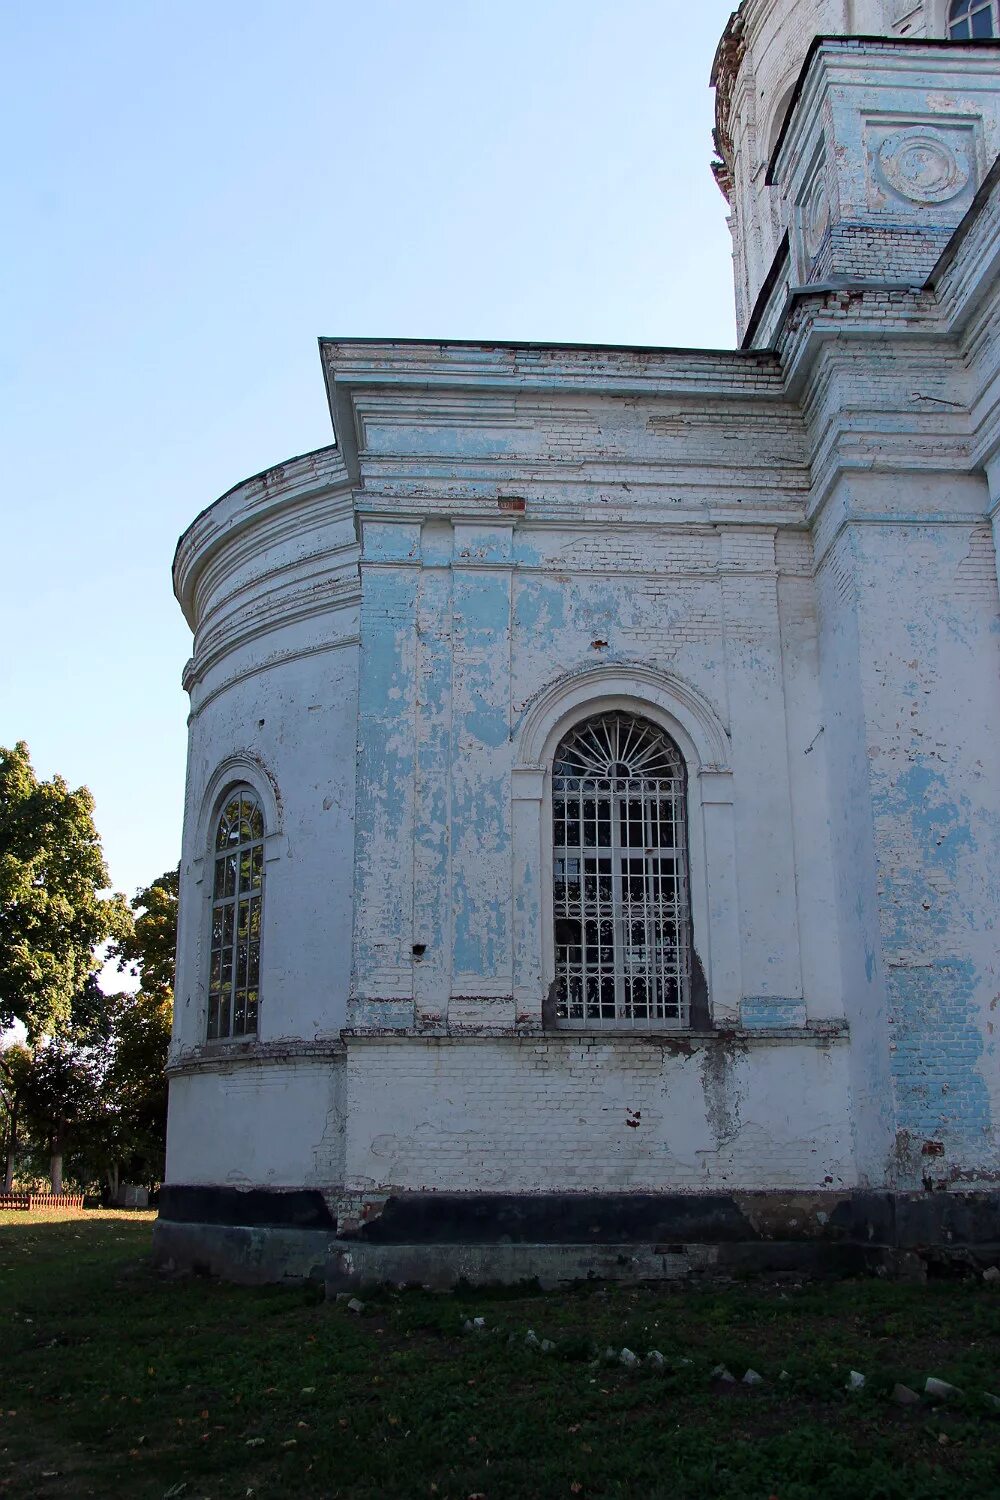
x,y
815,1033
245,506
426,369
222,1057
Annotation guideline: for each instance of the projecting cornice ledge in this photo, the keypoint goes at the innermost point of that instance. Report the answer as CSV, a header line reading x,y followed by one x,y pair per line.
x,y
318,472
351,366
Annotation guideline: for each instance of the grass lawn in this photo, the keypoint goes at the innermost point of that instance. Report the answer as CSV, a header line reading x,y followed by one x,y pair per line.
x,y
115,1381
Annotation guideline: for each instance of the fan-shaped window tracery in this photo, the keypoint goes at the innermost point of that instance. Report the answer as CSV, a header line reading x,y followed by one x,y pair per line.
x,y
969,19
620,876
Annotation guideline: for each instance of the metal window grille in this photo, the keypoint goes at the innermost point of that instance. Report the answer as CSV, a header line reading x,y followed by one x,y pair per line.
x,y
971,19
234,980
622,904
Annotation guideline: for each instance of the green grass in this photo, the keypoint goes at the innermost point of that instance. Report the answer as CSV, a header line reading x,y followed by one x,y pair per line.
x,y
115,1381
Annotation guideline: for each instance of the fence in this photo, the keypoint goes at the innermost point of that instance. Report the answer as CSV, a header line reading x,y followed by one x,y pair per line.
x,y
28,1202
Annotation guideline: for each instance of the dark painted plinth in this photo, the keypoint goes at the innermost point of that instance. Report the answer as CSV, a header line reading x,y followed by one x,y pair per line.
x,y
441,1238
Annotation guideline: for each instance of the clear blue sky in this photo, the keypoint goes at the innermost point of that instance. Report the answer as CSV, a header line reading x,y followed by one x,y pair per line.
x,y
193,192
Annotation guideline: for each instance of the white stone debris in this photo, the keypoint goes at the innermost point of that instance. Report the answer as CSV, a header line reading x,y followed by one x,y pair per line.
x,y
940,1389
903,1396
784,1375
721,1373
628,1359
991,1400
655,1359
855,1381
991,1274
752,1378
532,1340
356,1306
546,1346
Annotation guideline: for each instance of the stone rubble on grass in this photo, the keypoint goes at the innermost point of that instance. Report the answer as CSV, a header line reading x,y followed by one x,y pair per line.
x,y
655,1358
628,1359
356,1306
474,1325
752,1378
547,1346
903,1396
721,1373
855,1381
940,1389
784,1375
993,1401
992,1274
343,1296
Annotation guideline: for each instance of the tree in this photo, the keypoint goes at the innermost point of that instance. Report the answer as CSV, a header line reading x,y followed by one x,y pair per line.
x,y
148,949
134,1089
53,918
15,1068
134,1086
61,1099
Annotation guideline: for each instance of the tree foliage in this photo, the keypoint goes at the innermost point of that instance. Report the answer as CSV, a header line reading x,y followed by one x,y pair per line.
x,y
148,949
89,1088
53,917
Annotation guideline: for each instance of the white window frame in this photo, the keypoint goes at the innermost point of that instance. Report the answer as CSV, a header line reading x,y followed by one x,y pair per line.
x,y
653,975
247,851
697,730
194,935
993,6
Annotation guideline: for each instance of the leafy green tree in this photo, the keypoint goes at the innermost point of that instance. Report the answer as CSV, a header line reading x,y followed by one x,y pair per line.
x,y
61,1097
134,1090
53,917
149,947
15,1068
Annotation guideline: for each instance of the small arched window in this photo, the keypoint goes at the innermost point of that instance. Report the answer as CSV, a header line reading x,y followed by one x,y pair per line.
x,y
973,18
237,893
620,876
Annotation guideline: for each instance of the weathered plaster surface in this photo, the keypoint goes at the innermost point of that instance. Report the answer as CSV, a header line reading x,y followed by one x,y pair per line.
x,y
568,1114
786,557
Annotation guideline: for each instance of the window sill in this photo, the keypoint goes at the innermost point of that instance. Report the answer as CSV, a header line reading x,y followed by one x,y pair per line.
x,y
816,1033
215,1056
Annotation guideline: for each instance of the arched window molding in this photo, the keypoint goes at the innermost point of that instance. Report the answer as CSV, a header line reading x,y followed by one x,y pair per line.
x,y
969,20
237,915
691,722
620,876
195,946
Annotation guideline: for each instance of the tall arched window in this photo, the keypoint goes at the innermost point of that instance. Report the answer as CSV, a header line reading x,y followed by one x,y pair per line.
x,y
620,876
973,18
237,892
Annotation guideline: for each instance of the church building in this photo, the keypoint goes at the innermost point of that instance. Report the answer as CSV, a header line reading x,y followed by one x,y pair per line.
x,y
591,858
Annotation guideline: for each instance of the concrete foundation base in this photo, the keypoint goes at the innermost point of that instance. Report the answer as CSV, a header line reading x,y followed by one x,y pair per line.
x,y
253,1257
439,1239
550,1266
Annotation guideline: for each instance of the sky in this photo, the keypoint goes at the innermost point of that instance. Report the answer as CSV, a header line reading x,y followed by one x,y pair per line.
x,y
195,192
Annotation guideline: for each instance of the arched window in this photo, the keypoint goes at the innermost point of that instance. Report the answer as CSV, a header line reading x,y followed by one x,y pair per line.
x,y
973,18
620,876
237,892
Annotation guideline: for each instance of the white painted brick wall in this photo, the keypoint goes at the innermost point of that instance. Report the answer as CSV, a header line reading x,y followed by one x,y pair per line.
x,y
566,1114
